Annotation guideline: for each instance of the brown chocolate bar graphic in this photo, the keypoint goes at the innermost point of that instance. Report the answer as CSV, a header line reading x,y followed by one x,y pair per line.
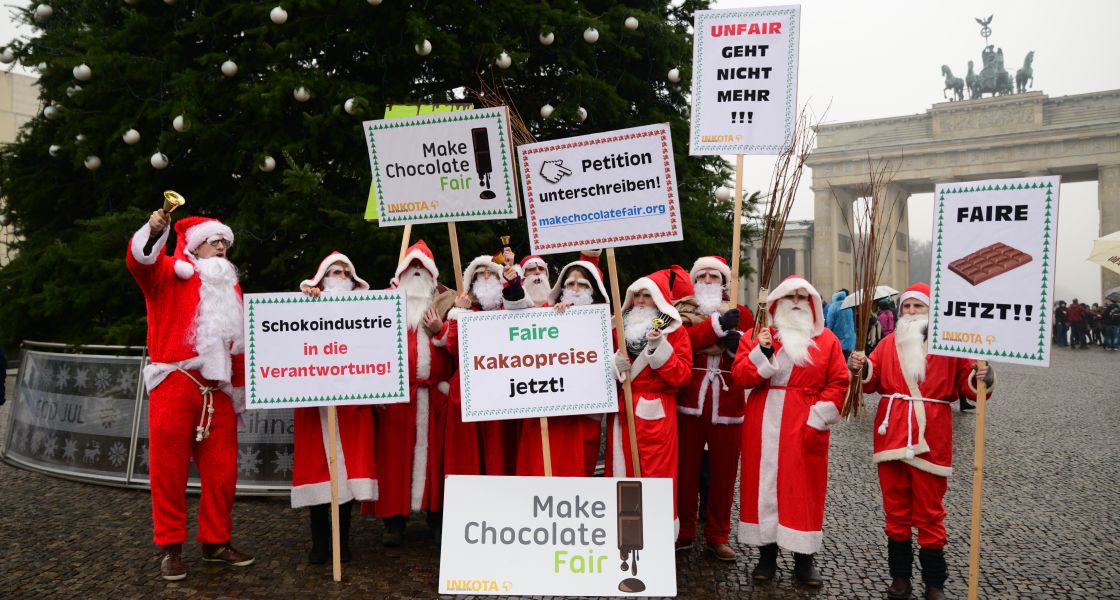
x,y
989,262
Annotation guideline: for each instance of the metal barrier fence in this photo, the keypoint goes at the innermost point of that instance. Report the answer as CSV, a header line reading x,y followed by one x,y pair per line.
x,y
81,412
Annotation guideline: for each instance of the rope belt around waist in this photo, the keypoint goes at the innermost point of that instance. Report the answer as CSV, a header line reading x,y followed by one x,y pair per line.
x,y
202,431
712,375
910,400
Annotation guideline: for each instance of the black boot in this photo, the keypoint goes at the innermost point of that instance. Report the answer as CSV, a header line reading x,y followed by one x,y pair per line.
x,y
435,524
344,531
934,572
900,560
804,573
320,534
394,530
767,566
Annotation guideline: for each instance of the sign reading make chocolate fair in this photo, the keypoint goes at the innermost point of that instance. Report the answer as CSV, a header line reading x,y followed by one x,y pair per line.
x,y
341,348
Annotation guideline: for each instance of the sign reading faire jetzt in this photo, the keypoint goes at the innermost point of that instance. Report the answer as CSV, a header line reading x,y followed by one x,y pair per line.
x,y
993,269
744,80
442,167
338,349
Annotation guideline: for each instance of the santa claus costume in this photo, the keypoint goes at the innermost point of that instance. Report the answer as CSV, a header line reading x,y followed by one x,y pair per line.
x,y
657,370
408,443
710,407
311,478
195,383
914,441
573,439
798,386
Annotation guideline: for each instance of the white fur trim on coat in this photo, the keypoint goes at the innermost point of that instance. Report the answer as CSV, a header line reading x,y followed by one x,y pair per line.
x,y
456,312
716,326
766,367
661,354
420,449
425,261
140,239
823,415
663,304
802,542
792,284
522,304
558,287
183,269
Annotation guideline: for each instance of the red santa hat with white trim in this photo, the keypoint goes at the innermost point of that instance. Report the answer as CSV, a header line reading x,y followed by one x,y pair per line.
x,y
331,259
918,291
710,263
190,233
666,287
417,252
528,261
596,275
787,287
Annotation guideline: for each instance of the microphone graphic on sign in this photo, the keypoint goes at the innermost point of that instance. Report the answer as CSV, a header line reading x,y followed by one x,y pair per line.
x,y
630,538
481,140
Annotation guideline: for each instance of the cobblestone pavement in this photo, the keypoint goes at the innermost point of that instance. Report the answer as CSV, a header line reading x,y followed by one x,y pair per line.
x,y
1051,528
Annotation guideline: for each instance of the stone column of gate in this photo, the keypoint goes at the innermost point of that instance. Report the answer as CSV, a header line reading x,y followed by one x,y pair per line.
x,y
832,265
1108,198
896,272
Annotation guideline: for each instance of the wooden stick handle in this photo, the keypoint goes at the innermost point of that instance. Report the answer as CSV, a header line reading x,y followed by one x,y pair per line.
x,y
406,236
453,237
977,486
627,393
736,227
547,451
332,459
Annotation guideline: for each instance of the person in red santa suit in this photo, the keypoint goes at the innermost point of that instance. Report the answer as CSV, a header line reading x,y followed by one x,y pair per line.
x,y
914,439
658,361
311,477
195,381
408,437
798,381
534,274
573,439
710,407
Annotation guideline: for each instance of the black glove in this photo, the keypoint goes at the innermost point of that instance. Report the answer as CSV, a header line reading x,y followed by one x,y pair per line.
x,y
729,320
731,341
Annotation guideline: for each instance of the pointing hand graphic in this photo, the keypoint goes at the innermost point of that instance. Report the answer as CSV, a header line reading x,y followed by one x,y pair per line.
x,y
554,170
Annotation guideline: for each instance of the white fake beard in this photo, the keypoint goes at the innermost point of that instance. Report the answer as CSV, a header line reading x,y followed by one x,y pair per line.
x,y
537,289
911,346
488,292
580,297
419,288
708,297
637,322
795,330
337,284
218,322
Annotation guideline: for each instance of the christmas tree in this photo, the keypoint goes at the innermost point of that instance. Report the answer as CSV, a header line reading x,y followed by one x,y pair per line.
x,y
253,112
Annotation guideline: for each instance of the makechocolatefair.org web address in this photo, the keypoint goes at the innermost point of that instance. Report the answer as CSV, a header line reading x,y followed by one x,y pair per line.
x,y
596,216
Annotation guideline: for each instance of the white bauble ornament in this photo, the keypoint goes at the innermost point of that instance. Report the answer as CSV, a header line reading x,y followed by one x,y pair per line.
x,y
301,94
54,149
631,23
581,114
81,137
7,56
159,160
73,89
4,220
350,106
723,194
92,162
424,48
278,15
51,111
181,124
229,68
674,75
546,111
374,2
546,39
131,136
590,35
42,67
268,164
503,61
43,12
82,72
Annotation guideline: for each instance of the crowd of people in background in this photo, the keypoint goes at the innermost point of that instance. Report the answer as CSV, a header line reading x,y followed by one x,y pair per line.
x,y
1078,325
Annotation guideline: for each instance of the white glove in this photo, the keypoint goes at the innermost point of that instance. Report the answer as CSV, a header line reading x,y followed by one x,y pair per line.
x,y
621,363
653,340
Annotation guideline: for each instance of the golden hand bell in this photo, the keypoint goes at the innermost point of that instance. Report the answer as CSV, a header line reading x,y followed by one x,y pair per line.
x,y
172,200
658,323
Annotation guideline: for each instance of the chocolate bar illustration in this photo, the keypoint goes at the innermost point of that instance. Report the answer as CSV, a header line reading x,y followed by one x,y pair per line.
x,y
480,138
630,534
989,262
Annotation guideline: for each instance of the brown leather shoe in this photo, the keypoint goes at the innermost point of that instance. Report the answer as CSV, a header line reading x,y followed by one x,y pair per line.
x,y
226,553
900,589
935,593
723,552
171,568
684,545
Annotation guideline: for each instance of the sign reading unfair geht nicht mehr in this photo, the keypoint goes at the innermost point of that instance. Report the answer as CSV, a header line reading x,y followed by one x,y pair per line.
x,y
744,80
616,188
442,167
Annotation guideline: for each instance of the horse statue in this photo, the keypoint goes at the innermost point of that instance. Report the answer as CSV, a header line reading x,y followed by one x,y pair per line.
x,y
1024,77
952,83
972,80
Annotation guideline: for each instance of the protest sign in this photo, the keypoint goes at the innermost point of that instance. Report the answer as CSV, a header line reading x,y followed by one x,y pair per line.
x,y
993,269
617,188
536,363
338,349
442,167
562,536
744,80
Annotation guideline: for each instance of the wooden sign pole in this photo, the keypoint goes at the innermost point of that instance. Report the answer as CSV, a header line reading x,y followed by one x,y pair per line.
x,y
620,335
736,226
453,237
332,461
547,456
977,486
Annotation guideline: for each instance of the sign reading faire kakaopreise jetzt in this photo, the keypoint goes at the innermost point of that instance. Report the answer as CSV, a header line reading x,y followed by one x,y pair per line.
x,y
340,348
616,188
993,269
442,167
744,80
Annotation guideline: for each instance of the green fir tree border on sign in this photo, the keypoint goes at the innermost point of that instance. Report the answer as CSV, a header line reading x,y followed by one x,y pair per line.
x,y
465,374
1040,353
451,117
791,77
251,392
